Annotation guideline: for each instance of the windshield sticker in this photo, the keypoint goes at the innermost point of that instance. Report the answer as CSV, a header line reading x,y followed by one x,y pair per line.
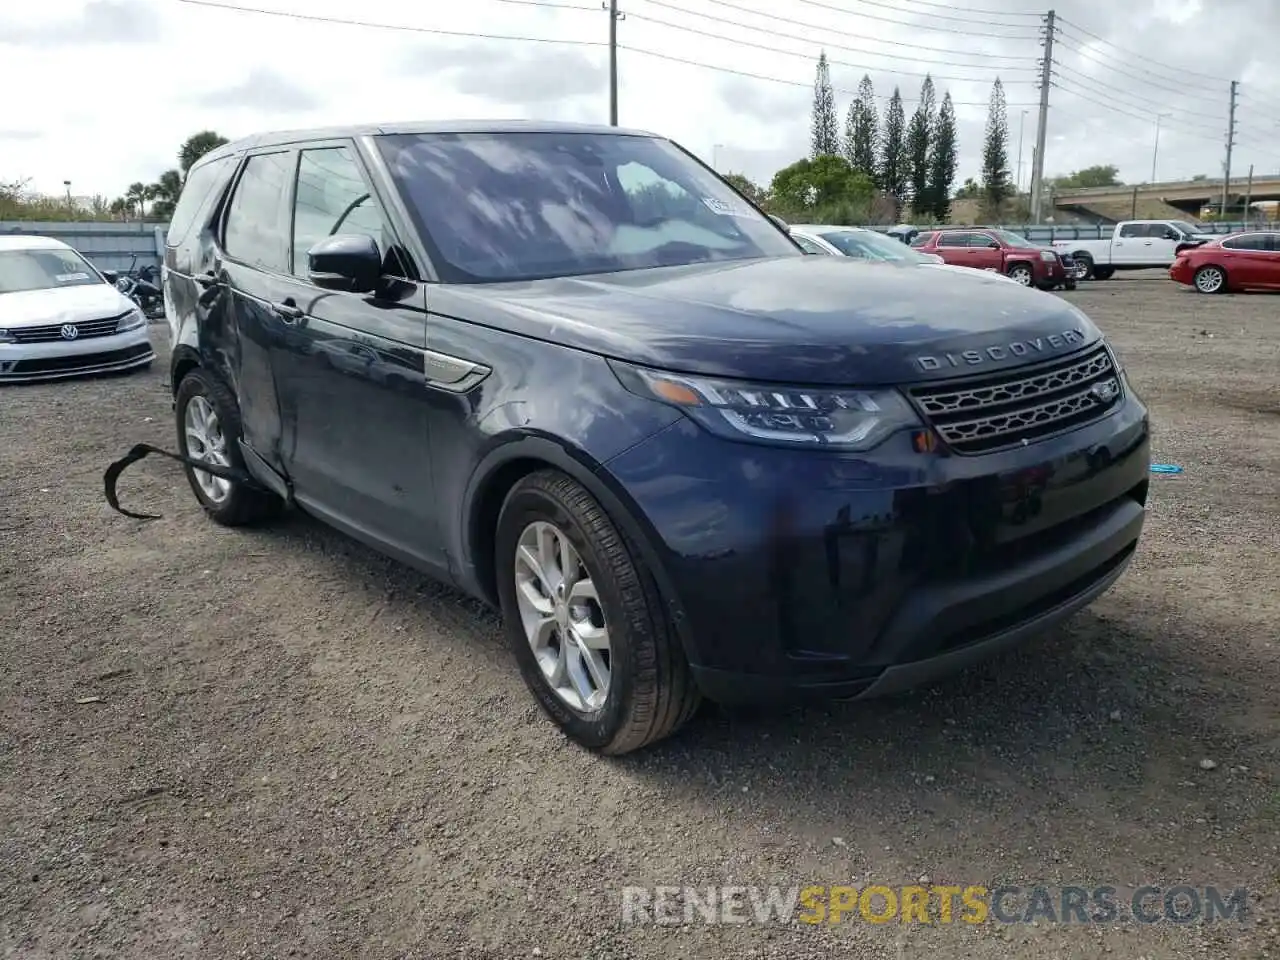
x,y
69,277
723,208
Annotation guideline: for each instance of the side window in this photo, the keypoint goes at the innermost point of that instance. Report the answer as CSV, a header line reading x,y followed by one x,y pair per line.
x,y
201,181
1248,241
1133,230
953,239
920,239
333,198
982,240
253,233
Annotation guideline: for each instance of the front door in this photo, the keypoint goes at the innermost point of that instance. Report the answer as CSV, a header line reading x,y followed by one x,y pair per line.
x,y
351,370
985,252
1247,260
250,262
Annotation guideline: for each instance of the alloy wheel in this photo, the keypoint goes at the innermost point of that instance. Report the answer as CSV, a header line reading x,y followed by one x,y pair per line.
x,y
562,617
1210,280
207,442
1021,275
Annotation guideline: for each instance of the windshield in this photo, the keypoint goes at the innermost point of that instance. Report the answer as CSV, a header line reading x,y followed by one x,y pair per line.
x,y
869,245
22,270
1013,239
520,206
1187,228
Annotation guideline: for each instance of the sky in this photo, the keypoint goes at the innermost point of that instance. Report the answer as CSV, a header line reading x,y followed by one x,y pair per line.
x,y
109,89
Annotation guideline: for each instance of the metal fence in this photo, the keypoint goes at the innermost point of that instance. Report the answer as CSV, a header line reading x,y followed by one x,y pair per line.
x,y
1046,232
108,245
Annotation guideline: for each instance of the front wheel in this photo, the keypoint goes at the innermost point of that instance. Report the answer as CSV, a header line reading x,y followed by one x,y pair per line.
x,y
1210,280
209,429
586,625
1021,273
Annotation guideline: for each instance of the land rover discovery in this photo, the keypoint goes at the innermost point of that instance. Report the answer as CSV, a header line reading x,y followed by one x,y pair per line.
x,y
571,371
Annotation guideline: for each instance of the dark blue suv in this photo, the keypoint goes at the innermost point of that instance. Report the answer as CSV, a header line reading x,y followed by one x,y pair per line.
x,y
571,371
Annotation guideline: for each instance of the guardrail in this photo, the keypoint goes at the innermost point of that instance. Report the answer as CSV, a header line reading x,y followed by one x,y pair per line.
x,y
1045,232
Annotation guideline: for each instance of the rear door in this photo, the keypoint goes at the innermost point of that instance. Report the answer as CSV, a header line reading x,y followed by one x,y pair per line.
x,y
252,265
953,247
351,368
1132,245
1247,259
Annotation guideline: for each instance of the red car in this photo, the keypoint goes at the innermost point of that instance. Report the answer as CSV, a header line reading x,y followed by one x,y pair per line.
x,y
1241,261
987,249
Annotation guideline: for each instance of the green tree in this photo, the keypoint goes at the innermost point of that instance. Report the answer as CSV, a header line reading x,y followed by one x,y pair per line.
x,y
893,154
971,190
165,192
861,133
818,182
136,196
196,146
743,185
996,183
1103,175
943,159
919,139
825,140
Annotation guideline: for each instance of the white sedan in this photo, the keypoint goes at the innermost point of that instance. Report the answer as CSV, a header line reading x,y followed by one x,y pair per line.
x,y
862,244
60,317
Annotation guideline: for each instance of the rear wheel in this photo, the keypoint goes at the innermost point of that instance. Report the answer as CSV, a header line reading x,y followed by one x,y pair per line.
x,y
586,625
1103,273
1021,273
1084,266
1210,280
209,430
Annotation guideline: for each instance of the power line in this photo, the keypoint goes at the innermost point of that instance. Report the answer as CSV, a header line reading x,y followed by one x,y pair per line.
x,y
404,28
806,25
897,9
1181,92
550,6
1127,113
981,13
809,56
1074,76
916,25
1180,72
803,84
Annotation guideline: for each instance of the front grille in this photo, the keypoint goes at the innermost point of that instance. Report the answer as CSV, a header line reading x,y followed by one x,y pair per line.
x,y
979,415
84,361
53,331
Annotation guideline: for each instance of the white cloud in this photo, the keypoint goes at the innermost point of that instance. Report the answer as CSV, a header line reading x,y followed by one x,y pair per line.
x,y
110,88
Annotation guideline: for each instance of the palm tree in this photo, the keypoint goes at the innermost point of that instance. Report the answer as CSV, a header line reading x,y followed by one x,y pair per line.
x,y
137,197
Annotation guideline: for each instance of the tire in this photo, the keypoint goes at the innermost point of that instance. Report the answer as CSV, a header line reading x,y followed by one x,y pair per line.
x,y
650,691
1210,279
1103,273
239,505
1084,266
1069,285
1021,273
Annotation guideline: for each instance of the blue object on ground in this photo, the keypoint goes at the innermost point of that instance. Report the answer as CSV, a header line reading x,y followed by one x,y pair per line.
x,y
1165,468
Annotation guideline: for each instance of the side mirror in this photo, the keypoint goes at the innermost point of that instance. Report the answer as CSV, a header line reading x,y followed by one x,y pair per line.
x,y
348,262
994,245
111,276
1172,235
780,222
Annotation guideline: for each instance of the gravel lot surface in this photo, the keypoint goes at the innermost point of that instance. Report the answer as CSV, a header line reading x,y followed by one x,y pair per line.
x,y
298,748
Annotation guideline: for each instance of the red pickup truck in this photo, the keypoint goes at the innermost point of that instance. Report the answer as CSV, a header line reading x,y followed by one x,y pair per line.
x,y
1028,263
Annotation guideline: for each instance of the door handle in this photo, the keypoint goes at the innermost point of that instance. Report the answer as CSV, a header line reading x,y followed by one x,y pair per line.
x,y
1147,244
288,311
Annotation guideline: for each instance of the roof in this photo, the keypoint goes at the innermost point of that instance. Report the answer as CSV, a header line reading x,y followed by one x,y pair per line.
x,y
282,137
30,241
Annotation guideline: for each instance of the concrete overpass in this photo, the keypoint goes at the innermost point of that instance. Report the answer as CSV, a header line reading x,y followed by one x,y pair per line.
x,y
1178,198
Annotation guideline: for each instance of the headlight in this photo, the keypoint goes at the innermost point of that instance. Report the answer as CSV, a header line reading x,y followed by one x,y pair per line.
x,y
1048,256
829,418
131,321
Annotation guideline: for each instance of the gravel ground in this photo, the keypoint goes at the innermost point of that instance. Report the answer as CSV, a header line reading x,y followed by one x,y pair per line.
x,y
298,748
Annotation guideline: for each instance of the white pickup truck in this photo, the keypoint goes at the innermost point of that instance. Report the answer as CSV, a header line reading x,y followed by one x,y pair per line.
x,y
1133,245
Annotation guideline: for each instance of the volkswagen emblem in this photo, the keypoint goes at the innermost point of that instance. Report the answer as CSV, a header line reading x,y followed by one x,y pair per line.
x,y
69,331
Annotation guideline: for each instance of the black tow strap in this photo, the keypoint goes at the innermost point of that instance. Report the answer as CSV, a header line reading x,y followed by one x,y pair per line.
x,y
140,450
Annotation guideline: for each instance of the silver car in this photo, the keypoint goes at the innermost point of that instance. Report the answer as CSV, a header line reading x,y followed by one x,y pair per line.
x,y
59,316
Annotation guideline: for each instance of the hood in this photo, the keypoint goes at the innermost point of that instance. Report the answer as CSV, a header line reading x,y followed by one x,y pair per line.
x,y
804,320
35,308
988,275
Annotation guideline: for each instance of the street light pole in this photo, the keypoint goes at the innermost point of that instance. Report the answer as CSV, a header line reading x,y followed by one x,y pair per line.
x,y
1156,149
1021,124
67,184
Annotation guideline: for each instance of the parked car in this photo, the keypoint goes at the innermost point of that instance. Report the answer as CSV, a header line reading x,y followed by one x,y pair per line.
x,y
1241,261
1133,245
681,457
60,316
869,246
1000,251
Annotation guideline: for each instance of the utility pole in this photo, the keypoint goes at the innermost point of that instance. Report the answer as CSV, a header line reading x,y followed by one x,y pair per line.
x,y
1046,77
1231,142
1248,196
1022,122
614,17
1156,149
